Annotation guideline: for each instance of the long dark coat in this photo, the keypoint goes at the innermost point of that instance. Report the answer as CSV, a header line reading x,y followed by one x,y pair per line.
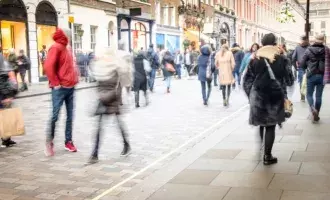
x,y
266,108
140,76
202,62
168,58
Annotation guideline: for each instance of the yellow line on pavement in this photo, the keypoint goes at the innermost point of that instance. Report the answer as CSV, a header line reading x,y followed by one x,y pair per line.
x,y
169,154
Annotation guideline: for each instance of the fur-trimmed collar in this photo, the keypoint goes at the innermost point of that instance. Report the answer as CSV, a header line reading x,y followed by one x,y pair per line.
x,y
235,49
268,52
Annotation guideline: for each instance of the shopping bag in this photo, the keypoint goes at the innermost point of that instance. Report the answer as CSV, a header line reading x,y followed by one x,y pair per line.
x,y
11,122
303,89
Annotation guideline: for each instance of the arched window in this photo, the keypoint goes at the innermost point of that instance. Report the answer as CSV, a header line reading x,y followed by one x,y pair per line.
x,y
111,27
140,27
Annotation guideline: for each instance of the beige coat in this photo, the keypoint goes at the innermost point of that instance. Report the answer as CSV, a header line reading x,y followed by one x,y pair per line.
x,y
226,65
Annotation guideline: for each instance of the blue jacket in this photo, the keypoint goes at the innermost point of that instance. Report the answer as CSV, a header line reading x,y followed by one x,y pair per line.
x,y
153,58
238,55
245,62
202,62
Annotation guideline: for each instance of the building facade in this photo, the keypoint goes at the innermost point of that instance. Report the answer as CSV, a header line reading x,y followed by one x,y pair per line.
x,y
27,24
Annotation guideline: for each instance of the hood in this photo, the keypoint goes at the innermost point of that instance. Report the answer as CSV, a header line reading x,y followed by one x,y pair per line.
x,y
235,49
304,44
317,49
205,50
60,37
269,52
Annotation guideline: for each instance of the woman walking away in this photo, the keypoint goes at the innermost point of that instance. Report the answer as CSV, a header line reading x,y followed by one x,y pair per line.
x,y
205,74
108,72
169,69
225,62
265,86
140,79
248,56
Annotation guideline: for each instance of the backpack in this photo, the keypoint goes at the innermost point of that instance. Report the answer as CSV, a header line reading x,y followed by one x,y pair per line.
x,y
150,58
316,65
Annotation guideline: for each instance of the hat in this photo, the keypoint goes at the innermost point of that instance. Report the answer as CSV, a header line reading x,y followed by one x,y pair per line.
x,y
235,45
268,39
319,38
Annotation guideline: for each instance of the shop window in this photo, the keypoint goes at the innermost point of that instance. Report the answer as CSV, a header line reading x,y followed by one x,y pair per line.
x,y
13,35
93,30
77,37
139,37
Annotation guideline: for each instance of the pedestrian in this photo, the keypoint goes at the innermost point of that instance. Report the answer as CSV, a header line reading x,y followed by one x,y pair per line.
x,y
247,57
8,91
12,59
314,63
24,64
178,63
204,61
153,58
169,69
188,61
297,57
265,86
238,56
140,79
43,55
109,70
63,77
216,71
225,63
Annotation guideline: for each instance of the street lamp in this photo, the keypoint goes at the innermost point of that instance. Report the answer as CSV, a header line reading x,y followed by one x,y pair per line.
x,y
307,25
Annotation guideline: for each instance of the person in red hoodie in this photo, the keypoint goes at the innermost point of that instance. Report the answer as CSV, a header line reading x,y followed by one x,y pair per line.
x,y
63,76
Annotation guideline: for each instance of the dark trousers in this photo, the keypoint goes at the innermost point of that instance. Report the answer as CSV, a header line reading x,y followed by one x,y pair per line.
x,y
22,72
151,81
178,70
315,84
188,69
137,97
99,132
215,77
269,137
60,96
206,95
226,89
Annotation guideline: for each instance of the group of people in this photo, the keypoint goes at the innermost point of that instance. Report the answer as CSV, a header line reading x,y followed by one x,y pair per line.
x,y
20,64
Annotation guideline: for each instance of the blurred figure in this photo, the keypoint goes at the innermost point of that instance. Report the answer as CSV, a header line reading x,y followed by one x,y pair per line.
x,y
297,57
8,90
43,55
178,63
203,63
24,64
265,86
248,56
63,77
238,56
153,58
216,71
225,63
188,61
314,63
109,69
12,59
169,69
140,79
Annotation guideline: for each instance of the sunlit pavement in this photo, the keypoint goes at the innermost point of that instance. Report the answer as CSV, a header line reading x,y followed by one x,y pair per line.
x,y
180,150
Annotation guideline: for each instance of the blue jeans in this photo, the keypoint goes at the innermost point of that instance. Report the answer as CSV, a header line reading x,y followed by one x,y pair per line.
x,y
315,84
215,77
168,81
209,89
60,96
178,70
237,76
151,80
301,73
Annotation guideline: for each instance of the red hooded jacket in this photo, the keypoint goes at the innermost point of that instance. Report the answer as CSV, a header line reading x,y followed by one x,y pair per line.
x,y
59,66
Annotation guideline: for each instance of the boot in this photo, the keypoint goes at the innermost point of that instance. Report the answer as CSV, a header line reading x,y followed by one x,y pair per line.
x,y
126,150
137,99
269,159
302,98
168,90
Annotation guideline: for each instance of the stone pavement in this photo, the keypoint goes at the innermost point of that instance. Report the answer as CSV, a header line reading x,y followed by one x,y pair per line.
x,y
156,130
227,165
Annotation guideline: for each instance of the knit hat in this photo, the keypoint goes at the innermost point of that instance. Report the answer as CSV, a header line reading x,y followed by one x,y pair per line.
x,y
319,38
235,45
268,39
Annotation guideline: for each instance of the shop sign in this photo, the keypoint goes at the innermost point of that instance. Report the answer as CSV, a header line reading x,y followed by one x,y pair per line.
x,y
71,19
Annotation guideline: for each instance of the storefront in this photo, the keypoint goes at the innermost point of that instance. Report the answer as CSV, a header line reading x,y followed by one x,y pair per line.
x,y
136,31
46,21
168,38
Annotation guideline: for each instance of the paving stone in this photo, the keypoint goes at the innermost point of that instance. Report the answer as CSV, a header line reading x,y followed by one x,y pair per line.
x,y
70,193
302,156
240,179
253,194
8,197
26,187
224,165
189,192
87,189
195,177
221,154
315,169
300,195
257,155
280,168
301,183
47,196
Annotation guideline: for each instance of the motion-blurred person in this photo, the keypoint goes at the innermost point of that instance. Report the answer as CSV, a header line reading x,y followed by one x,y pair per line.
x,y
205,76
297,57
140,79
24,64
153,58
178,63
238,56
313,62
265,86
188,61
169,69
12,59
63,77
8,90
43,55
216,71
225,63
109,69
248,56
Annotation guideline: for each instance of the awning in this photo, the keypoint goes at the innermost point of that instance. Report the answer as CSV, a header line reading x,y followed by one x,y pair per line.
x,y
193,35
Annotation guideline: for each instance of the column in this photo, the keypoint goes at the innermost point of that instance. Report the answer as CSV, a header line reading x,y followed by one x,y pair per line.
x,y
32,44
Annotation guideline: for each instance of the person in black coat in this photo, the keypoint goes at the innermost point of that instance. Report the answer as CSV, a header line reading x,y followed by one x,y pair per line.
x,y
265,94
24,64
168,59
140,78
